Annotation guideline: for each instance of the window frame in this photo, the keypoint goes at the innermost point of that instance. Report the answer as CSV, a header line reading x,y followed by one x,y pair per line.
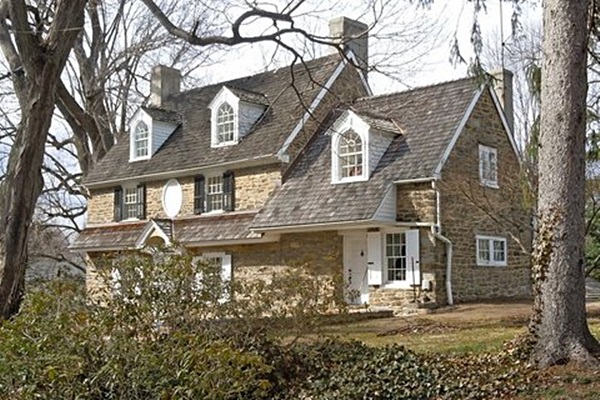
x,y
132,198
491,241
484,152
203,195
208,195
337,157
231,122
132,206
386,257
134,141
350,153
225,272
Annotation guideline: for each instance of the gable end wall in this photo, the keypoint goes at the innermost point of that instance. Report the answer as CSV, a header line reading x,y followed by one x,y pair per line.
x,y
469,209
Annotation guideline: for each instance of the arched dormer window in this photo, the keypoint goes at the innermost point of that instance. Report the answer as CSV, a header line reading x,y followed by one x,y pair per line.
x,y
225,124
350,152
141,140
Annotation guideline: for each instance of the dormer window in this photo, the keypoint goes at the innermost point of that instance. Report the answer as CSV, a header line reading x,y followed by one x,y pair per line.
x,y
357,144
140,140
233,114
225,124
349,161
149,129
351,156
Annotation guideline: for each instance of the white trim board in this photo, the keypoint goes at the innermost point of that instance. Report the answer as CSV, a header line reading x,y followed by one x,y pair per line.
x,y
315,103
500,110
151,227
461,126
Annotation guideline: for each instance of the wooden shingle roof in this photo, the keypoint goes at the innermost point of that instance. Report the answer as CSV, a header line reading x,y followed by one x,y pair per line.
x,y
427,117
189,146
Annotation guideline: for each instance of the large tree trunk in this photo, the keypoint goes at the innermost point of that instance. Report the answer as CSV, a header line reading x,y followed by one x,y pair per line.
x,y
22,188
559,323
37,60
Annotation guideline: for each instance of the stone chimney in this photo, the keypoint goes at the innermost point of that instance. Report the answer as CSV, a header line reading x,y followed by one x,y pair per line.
x,y
503,86
353,35
164,82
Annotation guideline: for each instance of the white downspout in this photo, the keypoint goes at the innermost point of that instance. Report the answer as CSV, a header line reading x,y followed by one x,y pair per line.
x,y
435,230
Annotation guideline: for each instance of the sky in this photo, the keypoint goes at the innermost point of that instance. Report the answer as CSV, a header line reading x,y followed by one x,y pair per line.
x,y
423,59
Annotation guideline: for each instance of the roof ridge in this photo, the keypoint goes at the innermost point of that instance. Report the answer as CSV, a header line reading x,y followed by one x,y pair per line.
x,y
415,89
231,82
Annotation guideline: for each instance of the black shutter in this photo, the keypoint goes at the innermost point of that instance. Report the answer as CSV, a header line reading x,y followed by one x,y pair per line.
x,y
118,204
228,191
199,194
141,201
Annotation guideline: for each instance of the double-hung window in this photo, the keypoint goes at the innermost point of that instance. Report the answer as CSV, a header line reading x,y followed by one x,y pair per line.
x,y
130,202
488,166
491,251
395,256
214,193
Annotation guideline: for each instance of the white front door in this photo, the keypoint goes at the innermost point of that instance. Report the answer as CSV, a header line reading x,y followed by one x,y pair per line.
x,y
355,268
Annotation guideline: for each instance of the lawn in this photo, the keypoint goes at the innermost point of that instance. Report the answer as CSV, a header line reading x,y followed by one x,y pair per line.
x,y
473,329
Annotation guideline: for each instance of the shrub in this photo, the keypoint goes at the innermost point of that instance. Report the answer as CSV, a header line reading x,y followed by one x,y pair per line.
x,y
171,330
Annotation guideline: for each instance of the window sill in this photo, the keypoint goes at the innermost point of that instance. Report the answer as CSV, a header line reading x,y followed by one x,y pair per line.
x,y
492,264
213,212
145,158
224,144
404,285
350,180
488,184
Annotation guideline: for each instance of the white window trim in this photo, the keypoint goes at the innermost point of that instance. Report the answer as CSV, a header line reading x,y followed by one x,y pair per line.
x,y
124,205
224,96
336,167
235,133
386,284
132,148
206,194
226,268
484,150
491,240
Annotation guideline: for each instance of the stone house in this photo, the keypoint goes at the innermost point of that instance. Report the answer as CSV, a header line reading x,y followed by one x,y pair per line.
x,y
407,196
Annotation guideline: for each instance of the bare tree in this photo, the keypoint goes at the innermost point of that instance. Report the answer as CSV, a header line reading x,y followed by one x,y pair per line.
x,y
559,323
36,57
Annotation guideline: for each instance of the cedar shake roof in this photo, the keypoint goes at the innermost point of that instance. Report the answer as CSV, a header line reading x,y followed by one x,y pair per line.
x,y
213,228
427,117
116,236
190,145
205,228
249,96
163,115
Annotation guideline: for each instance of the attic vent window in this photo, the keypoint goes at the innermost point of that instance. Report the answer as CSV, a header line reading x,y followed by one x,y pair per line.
x,y
225,124
140,141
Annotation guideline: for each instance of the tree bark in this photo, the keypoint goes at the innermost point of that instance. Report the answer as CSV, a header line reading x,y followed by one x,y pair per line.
x,y
559,323
42,60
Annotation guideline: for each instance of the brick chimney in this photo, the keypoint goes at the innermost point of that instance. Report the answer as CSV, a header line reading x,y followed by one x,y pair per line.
x,y
164,82
353,35
503,86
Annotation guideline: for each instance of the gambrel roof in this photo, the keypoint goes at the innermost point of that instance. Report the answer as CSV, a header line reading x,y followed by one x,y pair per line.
x,y
428,119
189,147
